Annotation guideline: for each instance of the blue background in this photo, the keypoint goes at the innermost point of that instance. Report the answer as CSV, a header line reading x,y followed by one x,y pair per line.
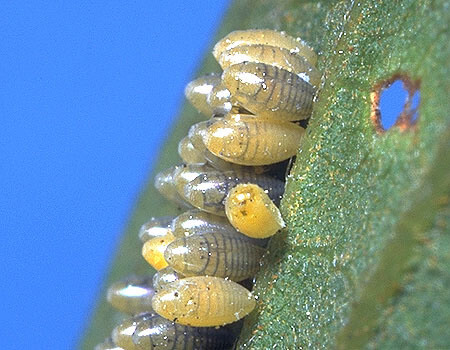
x,y
88,91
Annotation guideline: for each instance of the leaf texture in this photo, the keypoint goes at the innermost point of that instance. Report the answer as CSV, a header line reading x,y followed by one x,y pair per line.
x,y
364,262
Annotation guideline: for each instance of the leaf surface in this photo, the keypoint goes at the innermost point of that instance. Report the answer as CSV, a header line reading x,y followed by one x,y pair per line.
x,y
365,259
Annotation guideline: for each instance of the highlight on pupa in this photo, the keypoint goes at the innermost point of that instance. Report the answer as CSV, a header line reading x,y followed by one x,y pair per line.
x,y
230,184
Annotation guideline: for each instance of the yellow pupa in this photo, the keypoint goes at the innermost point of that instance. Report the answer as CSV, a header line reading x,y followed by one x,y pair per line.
x,y
247,140
269,92
250,210
274,56
264,37
203,301
188,153
155,227
198,90
153,250
132,295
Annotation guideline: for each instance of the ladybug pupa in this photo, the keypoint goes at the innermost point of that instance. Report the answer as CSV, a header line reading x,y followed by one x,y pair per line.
x,y
132,295
246,140
250,210
203,301
149,331
214,254
231,177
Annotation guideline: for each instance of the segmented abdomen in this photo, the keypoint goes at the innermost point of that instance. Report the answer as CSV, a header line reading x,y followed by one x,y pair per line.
x,y
214,254
269,92
154,332
203,301
208,191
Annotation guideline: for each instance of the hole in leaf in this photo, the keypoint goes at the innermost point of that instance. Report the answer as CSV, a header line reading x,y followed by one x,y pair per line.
x,y
395,102
392,101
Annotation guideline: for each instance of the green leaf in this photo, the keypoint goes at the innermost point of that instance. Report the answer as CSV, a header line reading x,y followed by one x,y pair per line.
x,y
365,259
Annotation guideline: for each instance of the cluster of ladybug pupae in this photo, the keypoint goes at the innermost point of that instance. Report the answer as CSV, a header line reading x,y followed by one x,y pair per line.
x,y
230,181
